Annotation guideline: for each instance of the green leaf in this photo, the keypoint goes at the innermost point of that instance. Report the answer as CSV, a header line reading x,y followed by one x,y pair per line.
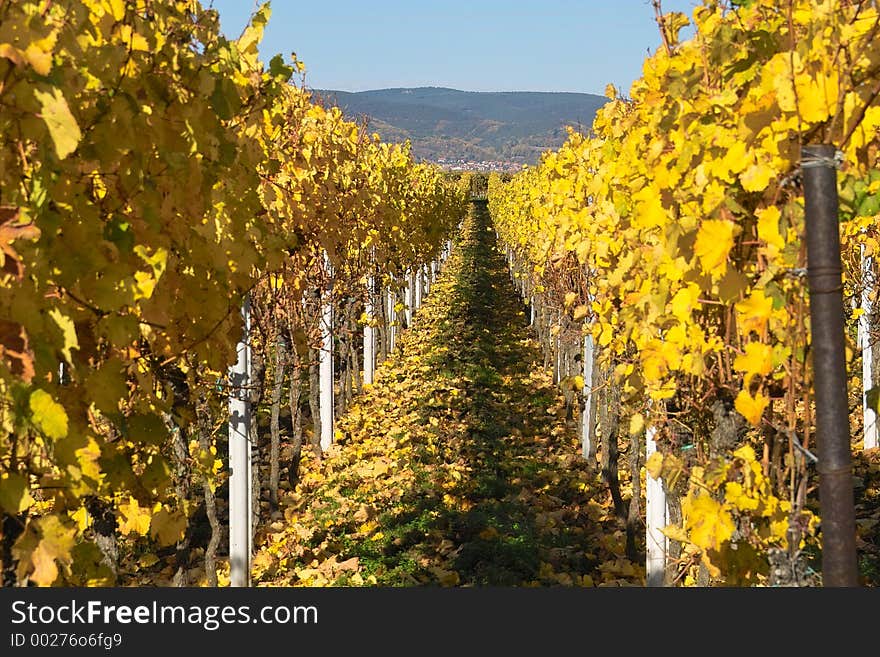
x,y
869,207
62,126
48,415
14,495
278,69
225,100
146,428
121,330
106,386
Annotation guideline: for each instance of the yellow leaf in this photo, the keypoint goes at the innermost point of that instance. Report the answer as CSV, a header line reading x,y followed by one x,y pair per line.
x,y
713,245
746,453
367,527
88,459
714,571
768,226
569,299
649,212
48,415
116,8
817,96
81,518
167,527
67,330
606,335
735,158
45,571
40,60
779,530
132,40
751,408
676,533
684,301
636,424
580,312
56,543
654,465
737,496
147,560
754,312
135,518
757,177
757,360
708,523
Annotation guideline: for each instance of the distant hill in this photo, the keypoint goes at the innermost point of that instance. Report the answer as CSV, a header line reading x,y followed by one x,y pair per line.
x,y
511,126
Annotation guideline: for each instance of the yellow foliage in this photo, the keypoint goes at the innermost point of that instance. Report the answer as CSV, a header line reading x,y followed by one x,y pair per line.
x,y
134,518
751,407
713,245
756,361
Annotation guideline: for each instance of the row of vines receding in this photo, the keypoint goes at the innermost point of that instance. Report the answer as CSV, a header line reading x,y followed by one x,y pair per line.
x,y
673,234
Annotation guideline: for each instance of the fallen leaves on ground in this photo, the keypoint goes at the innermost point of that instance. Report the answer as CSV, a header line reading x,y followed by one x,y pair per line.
x,y
456,467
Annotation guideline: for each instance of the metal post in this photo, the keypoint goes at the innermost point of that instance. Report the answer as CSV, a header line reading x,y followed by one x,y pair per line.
x,y
369,333
839,563
656,519
240,509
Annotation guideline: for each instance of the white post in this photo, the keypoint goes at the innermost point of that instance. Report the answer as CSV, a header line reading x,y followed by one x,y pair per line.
x,y
869,414
392,329
419,287
240,509
557,371
656,519
369,334
408,296
325,371
532,312
587,419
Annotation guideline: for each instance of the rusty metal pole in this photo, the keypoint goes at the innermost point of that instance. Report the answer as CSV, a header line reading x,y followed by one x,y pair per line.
x,y
839,563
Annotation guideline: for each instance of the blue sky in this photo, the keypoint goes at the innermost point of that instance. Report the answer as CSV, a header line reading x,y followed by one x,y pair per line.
x,y
476,45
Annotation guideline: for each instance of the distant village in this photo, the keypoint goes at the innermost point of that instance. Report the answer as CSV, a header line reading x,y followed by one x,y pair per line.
x,y
451,164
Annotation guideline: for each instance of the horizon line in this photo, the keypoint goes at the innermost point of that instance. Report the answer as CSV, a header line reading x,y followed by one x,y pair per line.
x,y
470,91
